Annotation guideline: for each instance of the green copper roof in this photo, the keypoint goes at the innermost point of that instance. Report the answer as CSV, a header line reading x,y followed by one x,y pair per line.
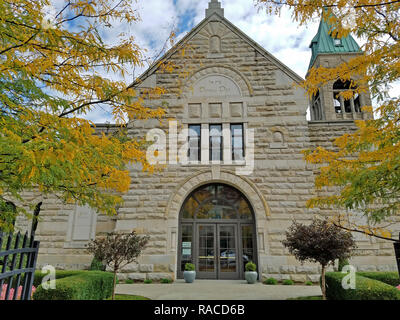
x,y
323,42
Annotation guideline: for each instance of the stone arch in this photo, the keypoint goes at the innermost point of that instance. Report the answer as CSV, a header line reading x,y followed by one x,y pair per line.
x,y
244,185
226,71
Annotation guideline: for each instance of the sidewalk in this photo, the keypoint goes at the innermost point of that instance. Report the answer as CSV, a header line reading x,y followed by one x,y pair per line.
x,y
217,290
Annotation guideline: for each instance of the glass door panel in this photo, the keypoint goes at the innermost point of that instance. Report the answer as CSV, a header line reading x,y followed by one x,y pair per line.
x,y
186,246
228,253
206,252
247,244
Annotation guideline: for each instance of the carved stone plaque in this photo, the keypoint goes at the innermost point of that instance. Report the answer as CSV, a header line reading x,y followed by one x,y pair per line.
x,y
216,86
236,109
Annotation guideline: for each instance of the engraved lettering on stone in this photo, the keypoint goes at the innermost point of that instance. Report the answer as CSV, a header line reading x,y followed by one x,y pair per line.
x,y
216,86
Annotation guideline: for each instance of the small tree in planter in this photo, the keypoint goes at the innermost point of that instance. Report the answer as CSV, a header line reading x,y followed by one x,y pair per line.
x,y
118,250
319,242
190,272
251,272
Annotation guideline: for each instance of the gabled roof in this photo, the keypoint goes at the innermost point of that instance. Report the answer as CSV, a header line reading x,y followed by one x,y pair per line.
x,y
323,42
293,75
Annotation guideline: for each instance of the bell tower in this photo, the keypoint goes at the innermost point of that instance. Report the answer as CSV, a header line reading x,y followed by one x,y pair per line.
x,y
329,51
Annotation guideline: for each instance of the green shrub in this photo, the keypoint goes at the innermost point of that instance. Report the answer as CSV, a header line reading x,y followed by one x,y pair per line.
x,y
288,282
148,281
342,263
129,281
391,278
366,289
271,281
89,285
189,267
251,266
60,274
165,280
308,283
97,265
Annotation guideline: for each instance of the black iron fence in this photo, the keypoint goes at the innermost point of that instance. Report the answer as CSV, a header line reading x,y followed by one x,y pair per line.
x,y
18,255
397,253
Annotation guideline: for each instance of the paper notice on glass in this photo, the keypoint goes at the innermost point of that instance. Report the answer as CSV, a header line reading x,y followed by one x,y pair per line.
x,y
186,244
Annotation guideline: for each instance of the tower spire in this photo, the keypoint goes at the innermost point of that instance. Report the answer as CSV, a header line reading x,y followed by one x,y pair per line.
x,y
214,7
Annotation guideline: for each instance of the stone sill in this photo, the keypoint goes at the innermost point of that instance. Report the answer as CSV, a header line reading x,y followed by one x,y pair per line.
x,y
216,164
76,245
332,122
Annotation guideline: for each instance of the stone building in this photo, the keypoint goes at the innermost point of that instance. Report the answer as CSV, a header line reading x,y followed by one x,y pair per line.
x,y
244,180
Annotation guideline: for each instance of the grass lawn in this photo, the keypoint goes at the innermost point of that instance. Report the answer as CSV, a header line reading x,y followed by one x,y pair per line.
x,y
128,297
307,298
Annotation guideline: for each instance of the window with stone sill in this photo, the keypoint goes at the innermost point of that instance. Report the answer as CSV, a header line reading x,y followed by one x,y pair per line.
x,y
216,135
340,104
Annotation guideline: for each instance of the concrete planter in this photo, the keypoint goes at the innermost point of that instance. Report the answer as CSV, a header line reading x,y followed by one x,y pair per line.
x,y
189,276
251,276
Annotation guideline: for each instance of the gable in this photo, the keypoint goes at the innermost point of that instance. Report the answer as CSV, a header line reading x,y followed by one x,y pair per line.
x,y
217,31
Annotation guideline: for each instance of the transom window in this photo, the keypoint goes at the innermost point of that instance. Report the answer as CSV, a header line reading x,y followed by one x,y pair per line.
x,y
215,202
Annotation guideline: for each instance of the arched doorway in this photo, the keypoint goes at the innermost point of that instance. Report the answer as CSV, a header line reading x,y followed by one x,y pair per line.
x,y
216,232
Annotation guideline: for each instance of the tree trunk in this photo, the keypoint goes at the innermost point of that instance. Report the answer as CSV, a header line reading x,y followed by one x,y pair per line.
x,y
114,283
323,287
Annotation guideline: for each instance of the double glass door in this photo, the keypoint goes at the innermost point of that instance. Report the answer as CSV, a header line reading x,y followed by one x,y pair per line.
x,y
217,256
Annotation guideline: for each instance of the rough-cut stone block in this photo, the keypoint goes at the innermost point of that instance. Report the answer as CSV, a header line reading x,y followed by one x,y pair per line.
x,y
272,269
307,269
136,276
122,276
272,275
299,277
313,277
158,276
285,277
131,267
288,269
384,268
146,267
366,268
161,268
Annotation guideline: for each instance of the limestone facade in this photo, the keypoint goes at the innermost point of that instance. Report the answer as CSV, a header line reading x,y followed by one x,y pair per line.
x,y
223,77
